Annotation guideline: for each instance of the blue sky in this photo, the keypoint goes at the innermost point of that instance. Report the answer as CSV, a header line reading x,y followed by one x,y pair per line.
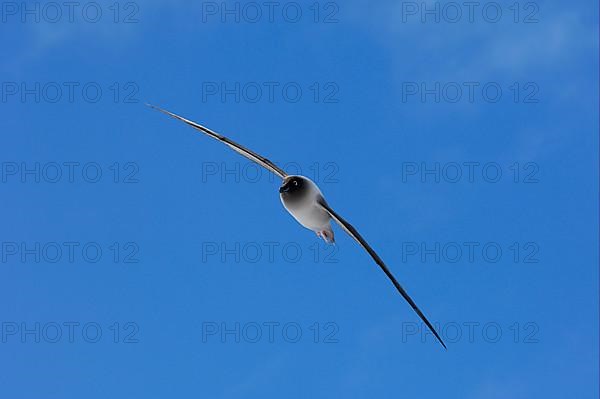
x,y
140,259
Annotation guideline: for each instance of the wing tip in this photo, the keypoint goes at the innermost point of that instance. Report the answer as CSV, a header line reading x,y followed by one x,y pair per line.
x,y
438,337
169,113
432,329
444,345
156,108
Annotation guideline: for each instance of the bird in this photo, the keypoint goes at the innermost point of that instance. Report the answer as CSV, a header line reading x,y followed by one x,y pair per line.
x,y
302,198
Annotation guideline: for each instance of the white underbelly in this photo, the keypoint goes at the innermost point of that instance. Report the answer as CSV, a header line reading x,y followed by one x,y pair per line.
x,y
311,216
306,210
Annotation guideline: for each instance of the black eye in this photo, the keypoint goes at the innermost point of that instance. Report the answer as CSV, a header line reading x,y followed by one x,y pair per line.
x,y
295,182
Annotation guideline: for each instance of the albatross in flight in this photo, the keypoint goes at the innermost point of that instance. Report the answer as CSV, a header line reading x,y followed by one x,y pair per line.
x,y
304,201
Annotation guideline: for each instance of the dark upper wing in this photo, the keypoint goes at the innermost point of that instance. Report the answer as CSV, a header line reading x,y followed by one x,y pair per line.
x,y
251,155
354,234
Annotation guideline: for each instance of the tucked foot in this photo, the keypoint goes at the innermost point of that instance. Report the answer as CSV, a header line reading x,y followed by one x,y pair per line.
x,y
326,235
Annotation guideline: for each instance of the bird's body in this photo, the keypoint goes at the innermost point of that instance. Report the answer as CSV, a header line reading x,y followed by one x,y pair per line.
x,y
301,197
304,201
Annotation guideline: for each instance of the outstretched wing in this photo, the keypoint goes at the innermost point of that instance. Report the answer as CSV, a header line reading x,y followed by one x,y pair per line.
x,y
354,234
251,155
